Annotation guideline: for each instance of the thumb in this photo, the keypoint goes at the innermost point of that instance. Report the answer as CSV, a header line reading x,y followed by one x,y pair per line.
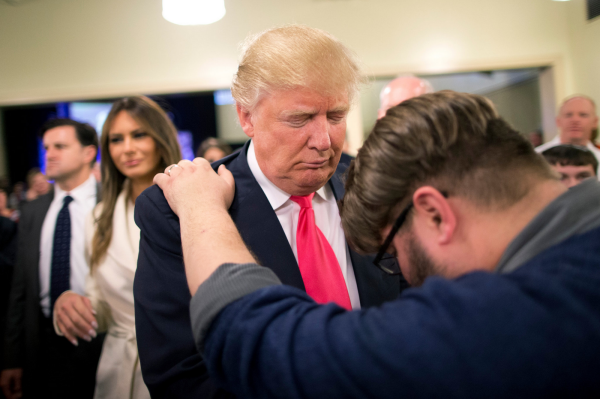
x,y
226,175
161,180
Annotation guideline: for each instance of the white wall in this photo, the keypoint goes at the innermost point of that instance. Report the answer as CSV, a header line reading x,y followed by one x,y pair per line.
x,y
73,49
585,44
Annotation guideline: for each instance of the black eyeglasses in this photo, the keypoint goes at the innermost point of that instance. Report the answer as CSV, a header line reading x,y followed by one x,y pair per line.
x,y
386,262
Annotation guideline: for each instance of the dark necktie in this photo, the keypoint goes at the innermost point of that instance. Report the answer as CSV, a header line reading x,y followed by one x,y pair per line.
x,y
60,270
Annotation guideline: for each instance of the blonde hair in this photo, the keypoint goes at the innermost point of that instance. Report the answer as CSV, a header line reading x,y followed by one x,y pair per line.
x,y
154,121
294,56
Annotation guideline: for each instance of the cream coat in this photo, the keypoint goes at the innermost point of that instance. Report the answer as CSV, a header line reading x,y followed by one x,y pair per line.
x,y
110,289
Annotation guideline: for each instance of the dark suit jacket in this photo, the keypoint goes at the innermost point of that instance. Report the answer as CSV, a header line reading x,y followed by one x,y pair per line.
x,y
22,340
8,250
170,363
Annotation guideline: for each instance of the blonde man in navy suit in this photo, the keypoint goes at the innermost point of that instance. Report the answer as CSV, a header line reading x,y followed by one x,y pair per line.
x,y
293,91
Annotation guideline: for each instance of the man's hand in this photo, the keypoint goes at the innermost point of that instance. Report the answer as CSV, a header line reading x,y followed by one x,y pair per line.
x,y
194,186
75,317
201,198
10,381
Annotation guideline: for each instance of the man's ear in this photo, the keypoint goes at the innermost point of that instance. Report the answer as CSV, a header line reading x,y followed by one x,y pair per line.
x,y
245,118
89,153
436,212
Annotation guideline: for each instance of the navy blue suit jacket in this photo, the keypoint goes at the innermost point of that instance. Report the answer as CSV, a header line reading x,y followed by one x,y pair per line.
x,y
531,333
170,363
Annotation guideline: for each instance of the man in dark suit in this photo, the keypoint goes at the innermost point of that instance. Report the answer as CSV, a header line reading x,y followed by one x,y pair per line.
x,y
293,91
50,260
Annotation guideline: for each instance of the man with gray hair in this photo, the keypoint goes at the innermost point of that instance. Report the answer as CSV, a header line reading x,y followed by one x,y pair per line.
x,y
401,89
293,90
577,121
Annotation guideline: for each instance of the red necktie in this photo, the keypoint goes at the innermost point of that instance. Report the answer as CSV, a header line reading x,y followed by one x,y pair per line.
x,y
318,265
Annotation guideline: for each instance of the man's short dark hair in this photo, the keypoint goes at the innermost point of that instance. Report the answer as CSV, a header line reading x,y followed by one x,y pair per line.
x,y
571,155
455,142
85,133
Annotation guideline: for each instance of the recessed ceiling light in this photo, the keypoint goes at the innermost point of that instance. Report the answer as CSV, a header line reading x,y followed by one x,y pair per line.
x,y
193,12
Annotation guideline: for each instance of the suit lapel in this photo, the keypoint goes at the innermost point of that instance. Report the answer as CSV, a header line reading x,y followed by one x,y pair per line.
x,y
258,224
261,231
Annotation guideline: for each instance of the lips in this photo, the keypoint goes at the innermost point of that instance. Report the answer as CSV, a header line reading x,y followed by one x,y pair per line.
x,y
319,163
133,162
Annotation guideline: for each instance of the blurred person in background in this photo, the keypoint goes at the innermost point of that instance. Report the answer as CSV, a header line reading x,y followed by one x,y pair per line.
x,y
51,260
574,163
577,120
18,196
536,138
138,139
213,149
8,251
38,184
401,89
4,210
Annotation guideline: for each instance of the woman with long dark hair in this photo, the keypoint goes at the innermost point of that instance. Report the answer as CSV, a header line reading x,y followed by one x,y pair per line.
x,y
138,140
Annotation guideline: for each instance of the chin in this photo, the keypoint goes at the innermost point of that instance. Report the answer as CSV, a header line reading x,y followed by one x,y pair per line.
x,y
315,179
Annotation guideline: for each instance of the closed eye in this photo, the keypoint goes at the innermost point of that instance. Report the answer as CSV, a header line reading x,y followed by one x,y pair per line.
x,y
138,135
115,139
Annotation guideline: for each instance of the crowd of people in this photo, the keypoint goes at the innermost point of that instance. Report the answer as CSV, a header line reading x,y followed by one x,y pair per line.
x,y
449,259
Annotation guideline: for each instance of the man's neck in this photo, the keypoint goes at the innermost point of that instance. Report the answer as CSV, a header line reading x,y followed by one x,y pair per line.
x,y
72,182
508,223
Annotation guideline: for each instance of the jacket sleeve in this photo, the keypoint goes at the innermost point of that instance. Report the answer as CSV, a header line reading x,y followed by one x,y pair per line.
x,y
171,365
14,339
479,336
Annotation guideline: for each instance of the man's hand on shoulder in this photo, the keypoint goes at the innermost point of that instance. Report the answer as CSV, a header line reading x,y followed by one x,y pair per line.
x,y
194,187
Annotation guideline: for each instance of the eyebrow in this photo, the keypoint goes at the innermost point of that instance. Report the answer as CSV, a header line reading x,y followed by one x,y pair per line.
x,y
140,130
293,113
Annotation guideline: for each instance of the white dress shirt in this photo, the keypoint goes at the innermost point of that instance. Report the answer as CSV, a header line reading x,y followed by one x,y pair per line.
x,y
556,141
84,201
327,218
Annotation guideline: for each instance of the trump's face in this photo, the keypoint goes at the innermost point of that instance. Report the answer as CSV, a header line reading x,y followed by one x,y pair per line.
x,y
298,137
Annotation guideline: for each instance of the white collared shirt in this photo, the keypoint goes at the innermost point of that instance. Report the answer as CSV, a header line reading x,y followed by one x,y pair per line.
x,y
327,218
556,142
84,201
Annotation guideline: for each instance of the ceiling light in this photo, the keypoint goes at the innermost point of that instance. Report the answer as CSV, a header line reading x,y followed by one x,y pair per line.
x,y
193,12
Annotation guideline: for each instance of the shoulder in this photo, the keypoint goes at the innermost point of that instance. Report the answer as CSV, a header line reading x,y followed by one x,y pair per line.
x,y
35,209
230,160
157,222
152,202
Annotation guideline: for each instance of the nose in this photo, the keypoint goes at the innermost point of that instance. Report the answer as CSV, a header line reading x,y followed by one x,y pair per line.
x,y
319,135
571,182
128,144
50,153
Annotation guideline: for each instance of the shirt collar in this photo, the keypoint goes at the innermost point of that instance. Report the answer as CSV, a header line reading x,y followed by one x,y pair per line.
x,y
276,196
80,193
556,141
